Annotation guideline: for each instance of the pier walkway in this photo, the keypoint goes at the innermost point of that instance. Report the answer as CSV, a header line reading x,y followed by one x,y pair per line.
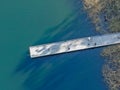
x,y
74,45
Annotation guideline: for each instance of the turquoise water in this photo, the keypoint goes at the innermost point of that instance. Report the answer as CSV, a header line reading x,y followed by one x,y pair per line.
x,y
24,23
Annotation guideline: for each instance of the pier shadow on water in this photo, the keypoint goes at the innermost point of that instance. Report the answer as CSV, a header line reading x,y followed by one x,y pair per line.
x,y
50,73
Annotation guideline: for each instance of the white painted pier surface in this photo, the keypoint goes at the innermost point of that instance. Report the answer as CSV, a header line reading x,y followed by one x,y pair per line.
x,y
74,45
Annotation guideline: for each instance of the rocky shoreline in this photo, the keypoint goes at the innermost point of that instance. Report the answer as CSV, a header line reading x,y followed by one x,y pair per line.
x,y
105,14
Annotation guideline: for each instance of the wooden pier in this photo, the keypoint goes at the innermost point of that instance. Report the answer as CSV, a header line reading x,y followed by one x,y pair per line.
x,y
74,45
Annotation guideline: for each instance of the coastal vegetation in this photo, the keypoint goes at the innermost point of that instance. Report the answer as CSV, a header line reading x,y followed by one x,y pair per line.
x,y
105,14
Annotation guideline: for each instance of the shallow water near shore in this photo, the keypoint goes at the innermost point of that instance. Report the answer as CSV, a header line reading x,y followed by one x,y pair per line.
x,y
26,23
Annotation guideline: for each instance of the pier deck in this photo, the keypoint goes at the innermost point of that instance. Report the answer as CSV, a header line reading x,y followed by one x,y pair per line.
x,y
74,45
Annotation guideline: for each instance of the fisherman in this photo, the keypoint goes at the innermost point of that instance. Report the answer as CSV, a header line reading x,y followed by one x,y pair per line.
x,y
95,44
89,38
68,48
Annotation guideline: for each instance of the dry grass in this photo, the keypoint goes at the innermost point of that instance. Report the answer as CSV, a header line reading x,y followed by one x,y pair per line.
x,y
110,10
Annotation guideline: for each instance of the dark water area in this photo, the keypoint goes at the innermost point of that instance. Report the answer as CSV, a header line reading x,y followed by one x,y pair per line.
x,y
69,71
80,70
